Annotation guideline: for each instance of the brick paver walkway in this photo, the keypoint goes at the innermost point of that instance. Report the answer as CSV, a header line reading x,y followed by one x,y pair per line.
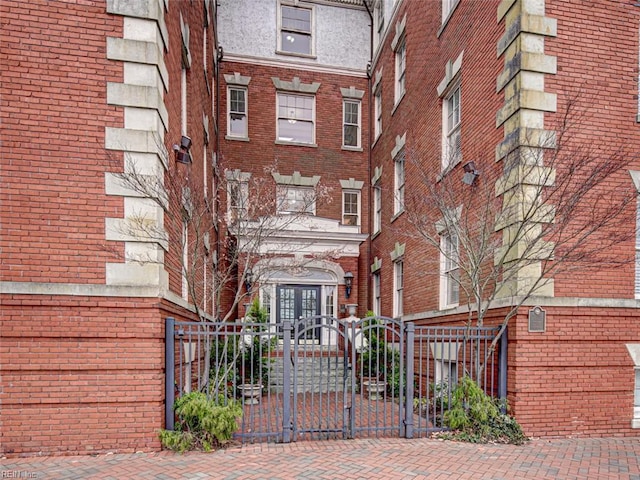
x,y
355,459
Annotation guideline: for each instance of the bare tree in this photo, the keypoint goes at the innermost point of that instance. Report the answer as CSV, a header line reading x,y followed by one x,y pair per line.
x,y
218,245
558,205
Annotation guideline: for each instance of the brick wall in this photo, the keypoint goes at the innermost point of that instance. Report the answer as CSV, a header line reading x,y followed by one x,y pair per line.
x,y
81,374
54,113
472,29
328,159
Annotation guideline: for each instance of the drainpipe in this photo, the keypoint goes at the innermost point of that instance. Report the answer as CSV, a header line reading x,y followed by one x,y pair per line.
x,y
369,70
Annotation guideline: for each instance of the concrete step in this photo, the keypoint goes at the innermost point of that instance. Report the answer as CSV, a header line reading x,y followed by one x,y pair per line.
x,y
311,374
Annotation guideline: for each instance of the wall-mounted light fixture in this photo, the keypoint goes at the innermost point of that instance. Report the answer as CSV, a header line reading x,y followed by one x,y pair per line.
x,y
248,279
182,150
348,282
470,173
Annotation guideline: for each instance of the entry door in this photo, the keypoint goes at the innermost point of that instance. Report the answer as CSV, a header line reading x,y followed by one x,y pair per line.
x,y
299,301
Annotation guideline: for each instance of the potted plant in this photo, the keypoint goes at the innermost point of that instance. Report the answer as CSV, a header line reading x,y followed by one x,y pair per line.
x,y
379,364
254,364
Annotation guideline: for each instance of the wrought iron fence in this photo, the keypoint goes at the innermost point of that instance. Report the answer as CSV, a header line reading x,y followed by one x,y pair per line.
x,y
370,377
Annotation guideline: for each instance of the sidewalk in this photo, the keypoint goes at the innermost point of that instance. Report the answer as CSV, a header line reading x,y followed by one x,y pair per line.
x,y
610,458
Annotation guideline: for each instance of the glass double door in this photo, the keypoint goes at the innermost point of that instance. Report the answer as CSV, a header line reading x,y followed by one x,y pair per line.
x,y
296,302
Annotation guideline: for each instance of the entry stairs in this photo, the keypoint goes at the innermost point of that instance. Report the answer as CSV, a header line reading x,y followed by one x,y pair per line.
x,y
315,372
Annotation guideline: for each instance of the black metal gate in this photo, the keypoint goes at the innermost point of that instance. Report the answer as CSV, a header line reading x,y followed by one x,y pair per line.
x,y
320,377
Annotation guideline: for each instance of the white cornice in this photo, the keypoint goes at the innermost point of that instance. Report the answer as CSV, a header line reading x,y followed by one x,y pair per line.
x,y
296,65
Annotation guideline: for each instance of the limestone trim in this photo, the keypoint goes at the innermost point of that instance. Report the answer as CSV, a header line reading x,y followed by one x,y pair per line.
x,y
297,64
400,143
141,139
237,79
398,251
376,265
145,9
134,51
634,352
237,175
296,180
400,31
377,80
522,118
78,289
541,301
352,92
377,175
295,85
352,184
451,71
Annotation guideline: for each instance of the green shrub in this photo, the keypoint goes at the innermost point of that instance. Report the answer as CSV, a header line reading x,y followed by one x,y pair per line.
x,y
203,423
476,417
379,360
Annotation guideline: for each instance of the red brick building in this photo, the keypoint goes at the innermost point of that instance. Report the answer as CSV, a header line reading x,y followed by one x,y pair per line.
x,y
93,92
455,82
352,101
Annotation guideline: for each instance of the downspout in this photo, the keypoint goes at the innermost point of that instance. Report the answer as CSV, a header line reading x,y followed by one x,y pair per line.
x,y
370,96
216,67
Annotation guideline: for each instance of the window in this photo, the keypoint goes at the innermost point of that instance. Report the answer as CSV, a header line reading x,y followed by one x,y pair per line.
x,y
329,300
398,285
238,199
296,118
399,183
237,105
447,8
183,101
296,200
376,294
351,208
377,209
449,271
185,259
636,400
378,17
451,119
637,279
295,31
265,293
378,112
401,63
351,125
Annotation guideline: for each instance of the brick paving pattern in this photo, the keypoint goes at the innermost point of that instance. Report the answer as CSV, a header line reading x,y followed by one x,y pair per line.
x,y
612,458
321,416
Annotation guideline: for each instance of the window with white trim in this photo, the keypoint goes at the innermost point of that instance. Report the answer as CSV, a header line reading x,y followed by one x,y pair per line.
x,y
295,199
451,151
636,400
376,295
237,124
637,277
377,208
378,19
449,271
377,99
296,30
296,118
185,259
401,64
329,300
351,207
399,182
238,194
398,287
351,123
